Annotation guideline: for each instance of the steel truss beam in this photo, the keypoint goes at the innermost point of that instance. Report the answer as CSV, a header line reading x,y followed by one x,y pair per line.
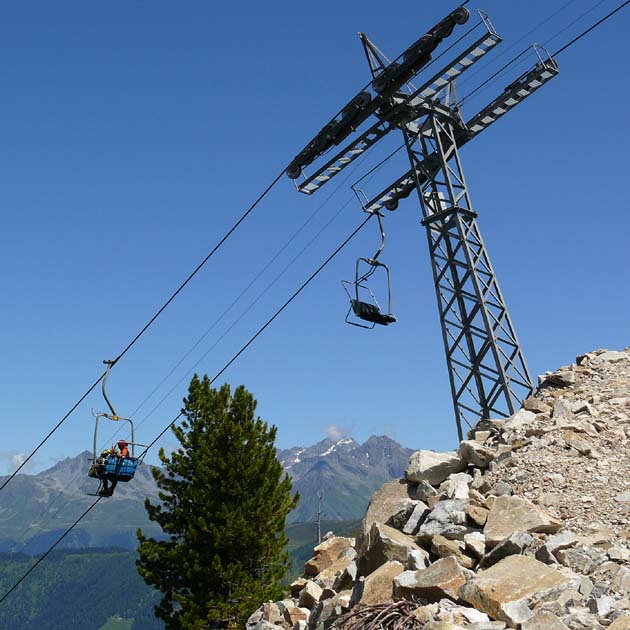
x,y
487,370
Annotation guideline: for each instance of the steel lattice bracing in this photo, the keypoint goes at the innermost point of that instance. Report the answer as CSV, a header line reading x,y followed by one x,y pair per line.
x,y
487,370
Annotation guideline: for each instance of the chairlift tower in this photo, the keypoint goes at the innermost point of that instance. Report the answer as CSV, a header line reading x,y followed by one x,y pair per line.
x,y
487,369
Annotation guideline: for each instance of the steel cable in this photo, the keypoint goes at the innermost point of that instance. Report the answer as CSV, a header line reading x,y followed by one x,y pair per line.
x,y
45,554
588,30
146,326
216,376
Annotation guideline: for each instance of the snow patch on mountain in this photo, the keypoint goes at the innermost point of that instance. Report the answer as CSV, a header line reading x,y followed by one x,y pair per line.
x,y
336,445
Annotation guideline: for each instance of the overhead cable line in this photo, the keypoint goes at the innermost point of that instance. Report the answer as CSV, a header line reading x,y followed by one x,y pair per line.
x,y
147,325
200,265
470,76
502,70
588,30
499,72
60,494
242,315
253,281
575,21
216,376
47,437
271,319
370,174
367,177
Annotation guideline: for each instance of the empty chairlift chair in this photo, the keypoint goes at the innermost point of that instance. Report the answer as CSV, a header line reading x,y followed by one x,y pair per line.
x,y
369,311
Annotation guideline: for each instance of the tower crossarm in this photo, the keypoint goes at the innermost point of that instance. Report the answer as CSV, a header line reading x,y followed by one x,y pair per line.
x,y
392,118
512,95
515,93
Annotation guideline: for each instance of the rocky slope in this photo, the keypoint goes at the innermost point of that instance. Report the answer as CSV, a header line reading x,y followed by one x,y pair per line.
x,y
526,526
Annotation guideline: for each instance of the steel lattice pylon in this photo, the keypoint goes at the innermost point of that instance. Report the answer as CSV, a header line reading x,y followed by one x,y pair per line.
x,y
487,369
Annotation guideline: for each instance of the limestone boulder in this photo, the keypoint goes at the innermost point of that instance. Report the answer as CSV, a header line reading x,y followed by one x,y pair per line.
x,y
621,623
297,586
506,590
433,467
310,594
418,559
385,503
382,544
559,378
611,356
443,579
536,405
404,510
510,514
444,548
457,486
562,540
520,420
329,554
477,514
293,614
544,621
345,578
475,453
271,612
475,544
419,514
378,586
423,491
514,544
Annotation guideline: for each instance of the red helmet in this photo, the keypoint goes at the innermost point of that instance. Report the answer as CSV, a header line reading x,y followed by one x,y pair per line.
x,y
122,443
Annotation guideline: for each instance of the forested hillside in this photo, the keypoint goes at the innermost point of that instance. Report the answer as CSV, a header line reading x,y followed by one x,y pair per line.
x,y
76,590
83,589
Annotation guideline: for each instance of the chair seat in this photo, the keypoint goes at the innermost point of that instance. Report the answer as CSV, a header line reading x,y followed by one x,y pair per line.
x,y
371,313
120,469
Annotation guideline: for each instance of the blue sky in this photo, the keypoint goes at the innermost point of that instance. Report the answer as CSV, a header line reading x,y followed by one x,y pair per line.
x,y
134,134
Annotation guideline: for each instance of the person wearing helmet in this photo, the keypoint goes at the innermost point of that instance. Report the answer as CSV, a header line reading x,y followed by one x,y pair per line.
x,y
124,451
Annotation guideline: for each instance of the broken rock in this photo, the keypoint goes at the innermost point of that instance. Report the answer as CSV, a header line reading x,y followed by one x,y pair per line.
x,y
475,453
457,486
310,595
418,515
377,587
443,578
512,545
383,543
544,621
443,547
511,514
327,554
520,420
384,503
433,467
506,590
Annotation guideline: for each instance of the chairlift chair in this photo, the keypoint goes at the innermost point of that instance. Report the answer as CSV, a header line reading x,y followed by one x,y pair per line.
x,y
113,468
369,311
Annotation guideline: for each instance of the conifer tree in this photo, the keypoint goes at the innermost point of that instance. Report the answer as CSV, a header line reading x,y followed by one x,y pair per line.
x,y
224,499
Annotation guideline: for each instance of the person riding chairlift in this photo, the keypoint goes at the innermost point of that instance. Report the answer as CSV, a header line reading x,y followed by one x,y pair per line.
x,y
124,451
108,487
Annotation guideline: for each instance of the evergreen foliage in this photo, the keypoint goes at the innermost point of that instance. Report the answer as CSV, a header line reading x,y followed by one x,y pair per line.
x,y
75,590
224,500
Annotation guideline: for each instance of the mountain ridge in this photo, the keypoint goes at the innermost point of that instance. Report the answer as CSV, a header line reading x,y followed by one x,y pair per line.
x,y
345,471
